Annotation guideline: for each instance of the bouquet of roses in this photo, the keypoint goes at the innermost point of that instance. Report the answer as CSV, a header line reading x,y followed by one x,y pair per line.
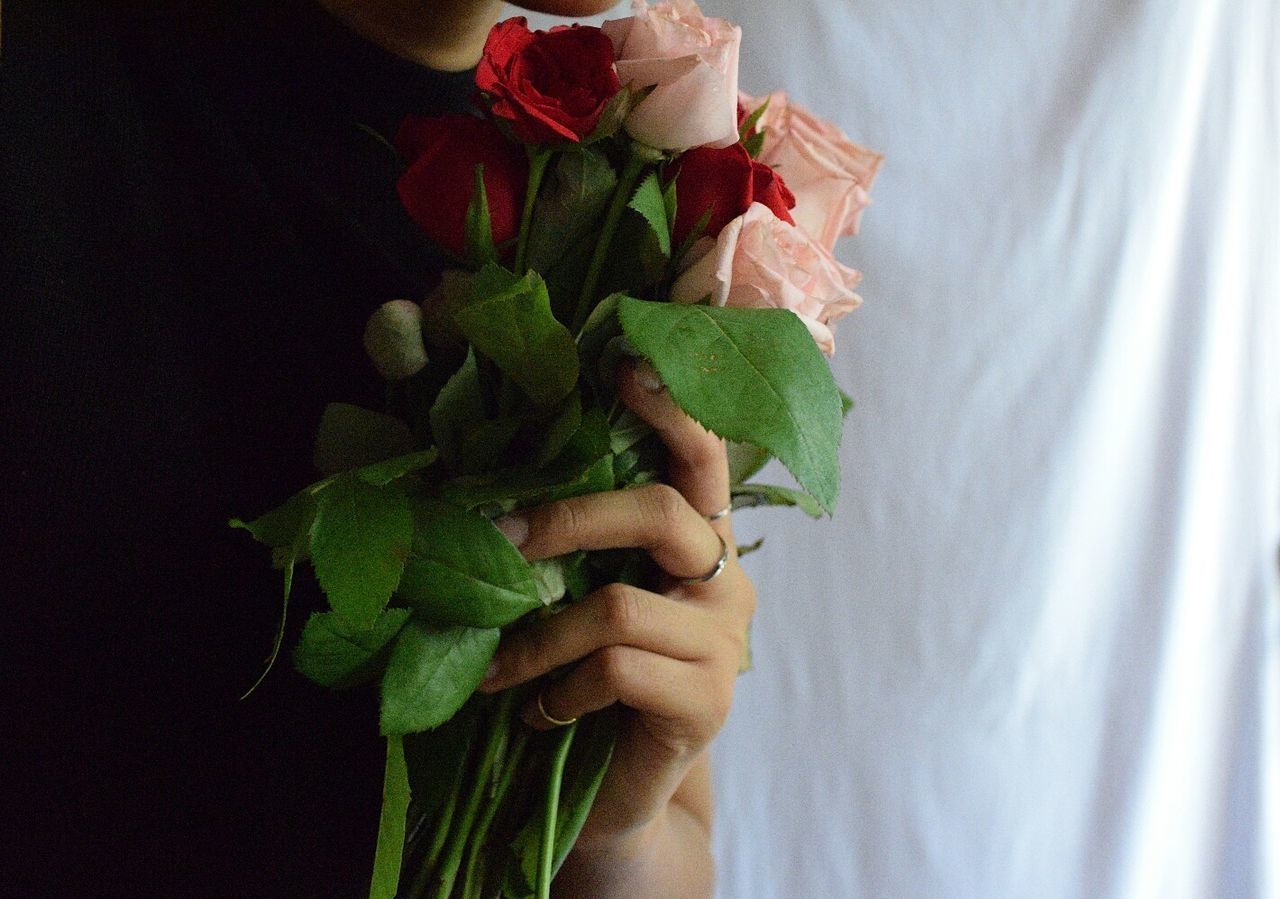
x,y
616,196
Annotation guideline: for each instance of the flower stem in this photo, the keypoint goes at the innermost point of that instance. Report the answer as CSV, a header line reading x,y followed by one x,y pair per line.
x,y
395,804
500,723
497,795
546,858
621,194
419,887
538,159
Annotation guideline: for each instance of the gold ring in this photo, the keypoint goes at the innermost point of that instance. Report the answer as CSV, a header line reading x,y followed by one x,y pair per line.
x,y
549,718
716,516
715,569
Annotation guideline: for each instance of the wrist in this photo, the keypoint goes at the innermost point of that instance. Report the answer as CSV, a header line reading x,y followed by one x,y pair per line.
x,y
668,855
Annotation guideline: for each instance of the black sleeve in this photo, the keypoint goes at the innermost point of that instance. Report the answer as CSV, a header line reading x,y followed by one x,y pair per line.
x,y
173,326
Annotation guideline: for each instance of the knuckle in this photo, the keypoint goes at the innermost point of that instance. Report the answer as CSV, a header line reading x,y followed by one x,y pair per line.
x,y
622,609
566,517
527,651
721,702
613,664
734,645
703,451
665,503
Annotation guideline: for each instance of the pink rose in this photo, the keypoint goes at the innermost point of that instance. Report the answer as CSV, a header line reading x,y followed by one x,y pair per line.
x,y
828,173
759,261
691,62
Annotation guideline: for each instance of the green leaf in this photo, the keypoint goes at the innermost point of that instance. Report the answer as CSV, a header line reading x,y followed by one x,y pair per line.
x,y
287,530
351,437
640,256
577,582
754,144
334,654
750,375
391,828
846,404
437,758
748,548
561,429
599,329
550,577
613,354
650,202
627,431
285,527
431,673
574,194
509,319
583,466
479,235
750,495
694,235
745,459
469,441
359,543
382,473
616,111
749,123
462,570
639,465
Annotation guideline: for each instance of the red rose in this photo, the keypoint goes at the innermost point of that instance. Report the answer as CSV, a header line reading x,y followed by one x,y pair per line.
x,y
726,181
767,187
551,86
436,189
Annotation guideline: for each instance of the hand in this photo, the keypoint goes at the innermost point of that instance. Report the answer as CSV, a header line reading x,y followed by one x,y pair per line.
x,y
670,657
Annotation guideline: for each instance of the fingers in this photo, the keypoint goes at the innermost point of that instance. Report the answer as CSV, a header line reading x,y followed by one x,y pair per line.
x,y
693,699
616,614
698,466
654,517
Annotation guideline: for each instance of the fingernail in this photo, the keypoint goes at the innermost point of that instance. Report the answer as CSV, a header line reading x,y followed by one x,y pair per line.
x,y
514,527
648,377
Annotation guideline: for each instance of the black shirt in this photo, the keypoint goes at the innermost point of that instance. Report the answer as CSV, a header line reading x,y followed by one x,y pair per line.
x,y
194,230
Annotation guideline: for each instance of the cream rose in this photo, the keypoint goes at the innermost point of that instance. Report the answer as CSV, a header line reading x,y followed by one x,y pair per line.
x,y
393,339
828,173
691,62
760,261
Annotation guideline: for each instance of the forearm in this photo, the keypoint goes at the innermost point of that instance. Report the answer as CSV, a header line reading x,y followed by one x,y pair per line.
x,y
671,856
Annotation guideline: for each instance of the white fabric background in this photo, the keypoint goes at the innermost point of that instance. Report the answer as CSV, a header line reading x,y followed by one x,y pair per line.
x,y
1037,652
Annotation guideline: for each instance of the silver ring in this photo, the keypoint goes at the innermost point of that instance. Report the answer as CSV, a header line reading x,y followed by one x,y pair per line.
x,y
716,516
715,569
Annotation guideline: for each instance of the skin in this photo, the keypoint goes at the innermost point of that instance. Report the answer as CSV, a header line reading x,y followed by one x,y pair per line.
x,y
443,34
669,656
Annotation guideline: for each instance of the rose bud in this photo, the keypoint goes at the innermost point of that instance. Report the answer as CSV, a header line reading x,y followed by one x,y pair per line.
x,y
393,340
760,261
550,86
725,181
829,174
691,62
436,189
